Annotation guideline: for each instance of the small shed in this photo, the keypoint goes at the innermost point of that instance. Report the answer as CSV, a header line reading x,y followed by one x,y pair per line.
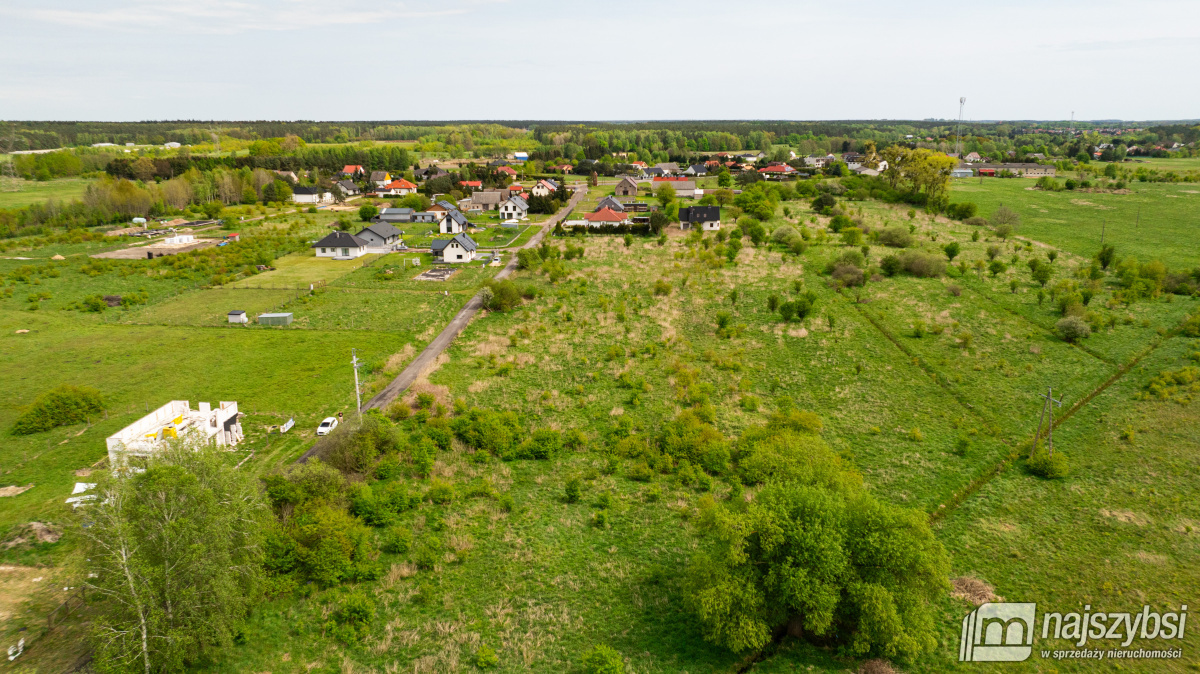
x,y
275,319
238,316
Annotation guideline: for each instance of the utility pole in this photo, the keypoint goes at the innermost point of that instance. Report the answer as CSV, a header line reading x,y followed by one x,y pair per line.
x,y
962,101
358,395
1047,406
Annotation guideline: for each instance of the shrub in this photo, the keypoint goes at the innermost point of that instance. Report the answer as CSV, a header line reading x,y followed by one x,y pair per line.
x,y
1050,467
661,287
640,472
952,250
784,234
962,211
365,213
528,258
486,658
573,490
997,267
891,265
823,201
839,222
896,237
954,290
977,221
847,275
922,264
351,620
1072,329
396,539
602,660
60,406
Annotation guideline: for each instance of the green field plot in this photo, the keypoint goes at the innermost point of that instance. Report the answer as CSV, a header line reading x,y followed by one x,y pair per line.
x,y
467,277
1154,221
413,313
301,269
35,192
210,307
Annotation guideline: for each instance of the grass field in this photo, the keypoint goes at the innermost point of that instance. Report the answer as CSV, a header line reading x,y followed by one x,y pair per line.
x,y
33,192
1156,221
928,386
302,269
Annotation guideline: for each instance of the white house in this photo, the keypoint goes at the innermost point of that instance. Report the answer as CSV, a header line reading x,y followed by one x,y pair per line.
x,y
544,188
176,419
708,218
457,250
341,246
310,195
452,222
514,209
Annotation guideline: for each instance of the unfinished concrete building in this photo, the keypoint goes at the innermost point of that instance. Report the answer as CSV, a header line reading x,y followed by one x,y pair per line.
x,y
176,419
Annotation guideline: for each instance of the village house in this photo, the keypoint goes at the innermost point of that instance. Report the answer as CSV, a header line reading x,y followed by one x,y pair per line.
x,y
507,170
696,170
544,188
777,170
341,246
380,178
397,188
488,200
628,187
379,234
972,157
610,203
1023,170
302,194
289,176
455,251
453,222
818,161
471,184
668,168
348,188
353,171
605,216
683,186
707,218
515,208
853,159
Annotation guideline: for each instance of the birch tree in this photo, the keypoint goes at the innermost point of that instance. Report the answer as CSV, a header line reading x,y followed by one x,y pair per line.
x,y
174,556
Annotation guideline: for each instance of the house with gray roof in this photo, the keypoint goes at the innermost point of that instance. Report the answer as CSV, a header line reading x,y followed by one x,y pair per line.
x,y
514,209
379,234
453,222
341,246
455,251
610,202
395,215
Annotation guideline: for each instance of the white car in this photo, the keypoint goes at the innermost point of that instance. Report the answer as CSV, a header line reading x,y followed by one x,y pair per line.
x,y
327,426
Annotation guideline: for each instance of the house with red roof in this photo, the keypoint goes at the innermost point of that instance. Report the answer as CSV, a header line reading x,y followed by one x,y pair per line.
x,y
473,184
507,170
777,170
353,170
605,216
396,188
684,186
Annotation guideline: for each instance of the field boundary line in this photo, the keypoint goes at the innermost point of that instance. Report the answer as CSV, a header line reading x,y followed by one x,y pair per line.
x,y
975,485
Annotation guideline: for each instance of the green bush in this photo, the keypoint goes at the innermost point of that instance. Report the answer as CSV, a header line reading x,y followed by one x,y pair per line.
x,y
351,620
1050,467
396,539
896,237
1072,329
573,490
602,660
839,222
486,658
60,406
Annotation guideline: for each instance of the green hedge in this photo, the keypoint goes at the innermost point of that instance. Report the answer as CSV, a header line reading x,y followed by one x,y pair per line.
x,y
61,406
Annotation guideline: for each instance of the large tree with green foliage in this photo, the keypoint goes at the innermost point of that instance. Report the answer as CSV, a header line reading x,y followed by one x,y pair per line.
x,y
174,559
816,553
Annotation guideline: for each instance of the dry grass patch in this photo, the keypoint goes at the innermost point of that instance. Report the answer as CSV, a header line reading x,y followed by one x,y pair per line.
x,y
973,590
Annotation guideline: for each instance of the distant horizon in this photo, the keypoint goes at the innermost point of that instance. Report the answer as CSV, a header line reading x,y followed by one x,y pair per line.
x,y
538,59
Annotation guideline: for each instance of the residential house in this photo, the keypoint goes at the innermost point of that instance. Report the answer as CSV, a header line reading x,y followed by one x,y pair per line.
x,y
289,176
853,159
380,178
348,188
776,170
379,234
455,251
751,157
302,194
669,168
395,215
1024,170
683,186
488,200
610,203
972,157
707,218
654,172
341,246
397,188
353,171
628,187
641,165
544,188
818,161
453,222
426,216
868,171
961,172
515,208
605,216
441,208
471,184
429,173
520,156
565,168
696,170
507,170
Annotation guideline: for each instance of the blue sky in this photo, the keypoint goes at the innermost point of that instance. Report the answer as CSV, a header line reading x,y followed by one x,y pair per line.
x,y
528,59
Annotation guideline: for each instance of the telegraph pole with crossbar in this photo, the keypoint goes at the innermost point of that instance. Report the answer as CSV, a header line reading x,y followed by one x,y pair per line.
x,y
1047,407
357,394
